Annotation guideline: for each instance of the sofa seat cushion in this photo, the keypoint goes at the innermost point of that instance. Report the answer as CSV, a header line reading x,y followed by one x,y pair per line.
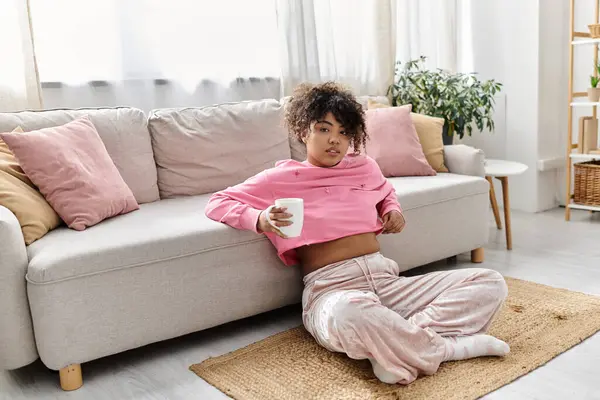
x,y
420,191
175,228
159,231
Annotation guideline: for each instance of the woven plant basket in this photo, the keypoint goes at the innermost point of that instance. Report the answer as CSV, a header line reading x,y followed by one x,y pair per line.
x,y
594,30
587,183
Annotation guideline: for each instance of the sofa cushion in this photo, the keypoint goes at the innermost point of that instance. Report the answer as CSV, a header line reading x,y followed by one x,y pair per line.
x,y
205,149
159,231
364,100
394,144
430,130
124,132
175,228
72,169
22,198
421,191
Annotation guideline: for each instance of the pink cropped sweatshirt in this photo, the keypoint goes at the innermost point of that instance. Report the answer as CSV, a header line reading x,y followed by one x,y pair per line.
x,y
343,200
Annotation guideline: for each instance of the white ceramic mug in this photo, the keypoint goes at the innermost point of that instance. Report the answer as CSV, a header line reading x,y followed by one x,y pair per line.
x,y
294,207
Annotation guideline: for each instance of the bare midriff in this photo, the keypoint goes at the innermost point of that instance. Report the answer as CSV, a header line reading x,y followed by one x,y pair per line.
x,y
319,255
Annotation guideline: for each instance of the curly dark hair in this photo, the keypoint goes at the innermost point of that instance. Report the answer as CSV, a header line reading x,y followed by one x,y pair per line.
x,y
311,103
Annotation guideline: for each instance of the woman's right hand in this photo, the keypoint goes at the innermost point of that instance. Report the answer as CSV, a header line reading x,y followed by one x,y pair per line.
x,y
278,217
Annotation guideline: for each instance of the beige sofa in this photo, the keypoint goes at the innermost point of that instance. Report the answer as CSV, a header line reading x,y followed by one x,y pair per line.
x,y
166,270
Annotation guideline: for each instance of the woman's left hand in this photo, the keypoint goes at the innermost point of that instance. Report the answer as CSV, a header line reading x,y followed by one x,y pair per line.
x,y
393,222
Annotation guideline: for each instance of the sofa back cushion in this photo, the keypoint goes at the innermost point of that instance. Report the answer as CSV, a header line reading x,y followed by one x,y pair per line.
x,y
364,100
123,131
205,149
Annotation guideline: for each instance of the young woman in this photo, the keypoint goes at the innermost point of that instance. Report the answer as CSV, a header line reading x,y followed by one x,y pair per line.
x,y
354,301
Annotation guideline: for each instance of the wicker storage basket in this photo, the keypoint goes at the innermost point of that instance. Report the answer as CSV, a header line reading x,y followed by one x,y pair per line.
x,y
594,30
587,183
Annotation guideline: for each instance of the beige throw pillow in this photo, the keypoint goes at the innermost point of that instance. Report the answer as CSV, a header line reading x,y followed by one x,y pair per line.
x,y
429,129
22,198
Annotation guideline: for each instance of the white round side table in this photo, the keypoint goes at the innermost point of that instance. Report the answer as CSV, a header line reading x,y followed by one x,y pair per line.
x,y
501,170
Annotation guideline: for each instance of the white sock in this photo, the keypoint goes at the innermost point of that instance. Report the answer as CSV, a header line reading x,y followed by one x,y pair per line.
x,y
381,374
465,347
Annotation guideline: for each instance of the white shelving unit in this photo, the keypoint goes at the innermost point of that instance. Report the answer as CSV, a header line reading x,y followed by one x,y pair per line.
x,y
584,157
578,39
584,104
583,207
585,41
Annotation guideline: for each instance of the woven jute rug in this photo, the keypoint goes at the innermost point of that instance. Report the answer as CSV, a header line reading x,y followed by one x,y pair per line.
x,y
537,321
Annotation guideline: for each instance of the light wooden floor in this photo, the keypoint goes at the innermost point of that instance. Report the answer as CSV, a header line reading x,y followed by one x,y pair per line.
x,y
546,250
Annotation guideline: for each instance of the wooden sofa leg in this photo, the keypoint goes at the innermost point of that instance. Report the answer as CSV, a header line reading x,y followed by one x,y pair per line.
x,y
477,255
70,377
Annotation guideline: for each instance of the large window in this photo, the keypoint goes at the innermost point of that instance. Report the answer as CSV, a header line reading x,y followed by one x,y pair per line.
x,y
189,41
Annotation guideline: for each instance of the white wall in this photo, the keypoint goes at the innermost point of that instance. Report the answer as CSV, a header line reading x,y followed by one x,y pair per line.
x,y
523,44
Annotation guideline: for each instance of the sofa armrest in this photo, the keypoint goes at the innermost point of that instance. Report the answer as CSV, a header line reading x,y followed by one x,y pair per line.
x,y
464,160
17,344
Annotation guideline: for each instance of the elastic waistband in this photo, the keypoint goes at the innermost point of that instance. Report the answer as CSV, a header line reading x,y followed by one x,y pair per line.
x,y
327,270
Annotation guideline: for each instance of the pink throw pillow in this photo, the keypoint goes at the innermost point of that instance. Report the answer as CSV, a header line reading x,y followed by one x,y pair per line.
x,y
394,143
72,169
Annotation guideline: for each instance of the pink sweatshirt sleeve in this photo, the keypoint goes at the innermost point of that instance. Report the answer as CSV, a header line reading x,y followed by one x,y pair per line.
x,y
240,206
390,202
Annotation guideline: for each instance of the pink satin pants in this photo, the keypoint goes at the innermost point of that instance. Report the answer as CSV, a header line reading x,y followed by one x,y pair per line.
x,y
361,307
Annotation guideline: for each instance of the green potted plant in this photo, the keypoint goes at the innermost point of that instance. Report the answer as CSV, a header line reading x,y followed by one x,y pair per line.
x,y
593,91
460,99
